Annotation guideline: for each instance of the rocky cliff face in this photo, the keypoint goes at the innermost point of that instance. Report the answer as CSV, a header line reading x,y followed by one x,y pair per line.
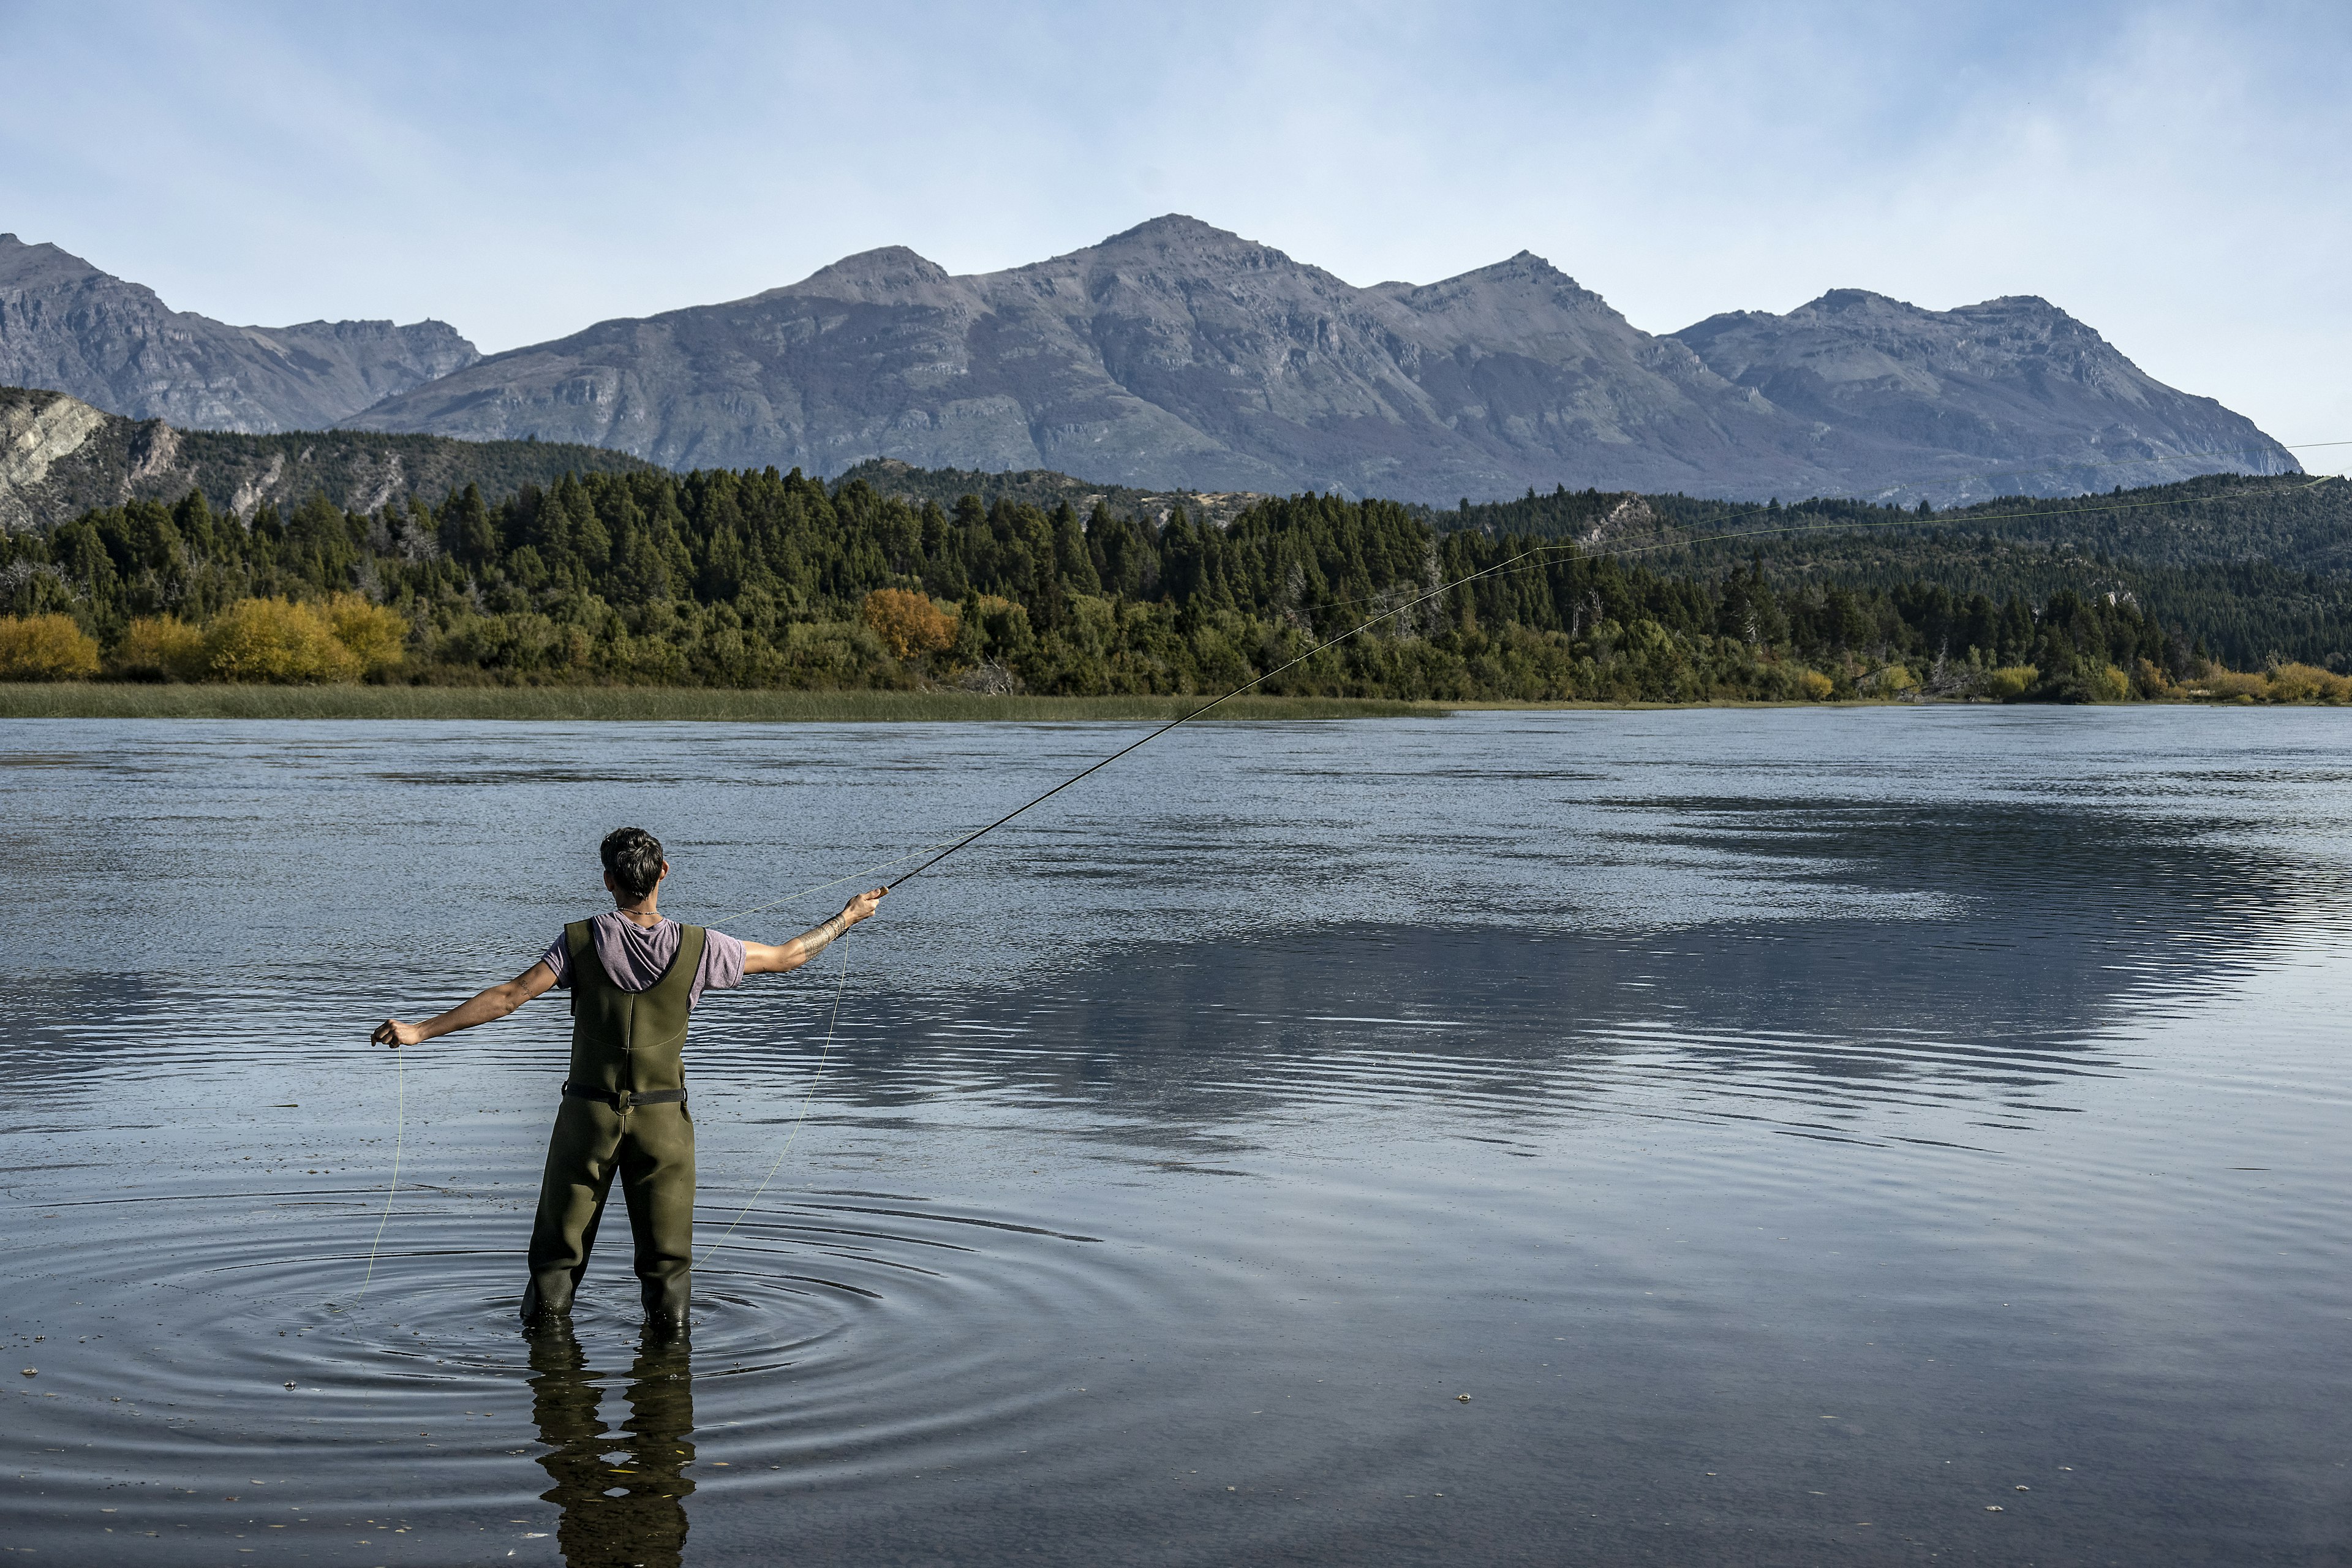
x,y
68,326
2011,397
59,456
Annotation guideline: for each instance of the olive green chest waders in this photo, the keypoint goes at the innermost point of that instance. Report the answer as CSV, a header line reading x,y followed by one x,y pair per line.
x,y
624,1112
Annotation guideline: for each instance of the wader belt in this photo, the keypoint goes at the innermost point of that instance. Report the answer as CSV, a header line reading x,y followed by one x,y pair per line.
x,y
624,1098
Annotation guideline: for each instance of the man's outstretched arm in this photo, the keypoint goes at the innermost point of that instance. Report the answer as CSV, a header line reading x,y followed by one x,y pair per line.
x,y
760,958
496,1002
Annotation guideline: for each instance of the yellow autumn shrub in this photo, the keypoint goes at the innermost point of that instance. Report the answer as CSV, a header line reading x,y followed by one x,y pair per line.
x,y
277,640
909,624
2009,682
1816,686
45,647
2230,685
161,647
2308,683
375,634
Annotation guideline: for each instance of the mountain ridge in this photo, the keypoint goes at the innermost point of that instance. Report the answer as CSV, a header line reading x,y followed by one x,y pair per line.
x,y
1175,355
67,325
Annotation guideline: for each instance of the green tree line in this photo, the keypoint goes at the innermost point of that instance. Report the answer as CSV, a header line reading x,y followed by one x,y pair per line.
x,y
761,579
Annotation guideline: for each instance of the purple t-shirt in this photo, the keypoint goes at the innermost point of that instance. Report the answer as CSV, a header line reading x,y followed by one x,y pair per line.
x,y
638,956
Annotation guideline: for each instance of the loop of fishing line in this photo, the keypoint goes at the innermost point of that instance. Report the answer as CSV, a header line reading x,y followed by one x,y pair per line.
x,y
399,1127
823,1055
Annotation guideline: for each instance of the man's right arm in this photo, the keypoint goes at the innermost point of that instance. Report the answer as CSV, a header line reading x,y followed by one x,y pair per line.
x,y
480,1008
760,958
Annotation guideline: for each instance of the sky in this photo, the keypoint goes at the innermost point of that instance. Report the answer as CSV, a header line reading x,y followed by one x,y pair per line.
x,y
2176,175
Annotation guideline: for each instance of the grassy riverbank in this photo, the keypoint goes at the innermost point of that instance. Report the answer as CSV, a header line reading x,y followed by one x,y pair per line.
x,y
96,699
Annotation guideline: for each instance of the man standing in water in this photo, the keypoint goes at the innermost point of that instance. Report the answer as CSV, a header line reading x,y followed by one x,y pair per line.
x,y
633,977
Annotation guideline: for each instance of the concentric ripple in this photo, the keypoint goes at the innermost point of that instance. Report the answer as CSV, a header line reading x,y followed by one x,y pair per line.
x,y
222,1359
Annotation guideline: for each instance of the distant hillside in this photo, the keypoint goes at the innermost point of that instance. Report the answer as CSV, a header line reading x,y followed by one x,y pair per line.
x,y
2257,568
65,326
2288,521
1177,356
60,457
1045,489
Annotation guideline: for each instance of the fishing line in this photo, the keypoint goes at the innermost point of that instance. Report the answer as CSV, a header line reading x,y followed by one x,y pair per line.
x,y
1498,569
821,887
1495,570
1236,691
821,1056
399,1127
2079,465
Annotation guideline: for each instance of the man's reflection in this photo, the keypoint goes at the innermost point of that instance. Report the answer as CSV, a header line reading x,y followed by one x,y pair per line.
x,y
623,1495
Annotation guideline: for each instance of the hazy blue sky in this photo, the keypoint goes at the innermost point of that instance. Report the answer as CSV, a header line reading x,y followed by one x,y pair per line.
x,y
2176,175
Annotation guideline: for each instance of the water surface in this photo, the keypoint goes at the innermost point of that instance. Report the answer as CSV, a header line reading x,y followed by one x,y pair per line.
x,y
1805,1136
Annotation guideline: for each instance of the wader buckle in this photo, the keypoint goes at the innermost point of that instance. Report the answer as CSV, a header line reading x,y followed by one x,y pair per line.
x,y
621,1102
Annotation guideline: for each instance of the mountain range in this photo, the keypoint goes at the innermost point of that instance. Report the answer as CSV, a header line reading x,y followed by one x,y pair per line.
x,y
67,326
1177,356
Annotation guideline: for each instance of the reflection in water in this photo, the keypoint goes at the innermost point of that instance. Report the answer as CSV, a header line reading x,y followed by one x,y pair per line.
x,y
1808,1137
623,1495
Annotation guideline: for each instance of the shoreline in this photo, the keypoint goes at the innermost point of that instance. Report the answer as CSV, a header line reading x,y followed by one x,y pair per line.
x,y
123,699
639,704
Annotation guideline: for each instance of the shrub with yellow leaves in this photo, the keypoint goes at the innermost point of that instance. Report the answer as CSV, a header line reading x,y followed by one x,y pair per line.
x,y
277,640
376,635
2308,683
909,624
2008,683
161,647
45,647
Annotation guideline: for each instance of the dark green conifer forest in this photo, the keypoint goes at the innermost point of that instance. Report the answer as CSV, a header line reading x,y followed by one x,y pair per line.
x,y
761,579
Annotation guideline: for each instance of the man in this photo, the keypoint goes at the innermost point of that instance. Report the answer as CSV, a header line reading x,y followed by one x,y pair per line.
x,y
634,976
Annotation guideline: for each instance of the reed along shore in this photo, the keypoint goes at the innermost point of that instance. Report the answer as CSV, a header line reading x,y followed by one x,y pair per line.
x,y
129,700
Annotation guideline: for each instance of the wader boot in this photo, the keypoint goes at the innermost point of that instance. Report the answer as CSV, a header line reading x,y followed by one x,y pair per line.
x,y
624,1112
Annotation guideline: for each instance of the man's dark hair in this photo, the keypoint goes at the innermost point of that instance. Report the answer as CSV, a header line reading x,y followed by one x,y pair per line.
x,y
634,857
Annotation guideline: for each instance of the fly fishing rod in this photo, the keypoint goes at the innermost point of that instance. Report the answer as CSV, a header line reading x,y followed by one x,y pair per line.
x,y
1228,697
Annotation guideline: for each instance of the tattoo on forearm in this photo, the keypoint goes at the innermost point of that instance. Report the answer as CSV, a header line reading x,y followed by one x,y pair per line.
x,y
818,939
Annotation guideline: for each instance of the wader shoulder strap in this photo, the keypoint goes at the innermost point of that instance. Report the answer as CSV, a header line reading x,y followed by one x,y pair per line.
x,y
688,962
576,940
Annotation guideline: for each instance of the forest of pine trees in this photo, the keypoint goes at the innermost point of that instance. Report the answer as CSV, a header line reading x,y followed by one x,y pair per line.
x,y
761,579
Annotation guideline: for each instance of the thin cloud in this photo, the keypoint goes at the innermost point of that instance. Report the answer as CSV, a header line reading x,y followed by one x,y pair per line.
x,y
2172,175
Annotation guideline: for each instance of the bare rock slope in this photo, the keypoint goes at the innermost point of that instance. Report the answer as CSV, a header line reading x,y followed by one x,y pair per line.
x,y
2011,396
68,326
59,456
1178,356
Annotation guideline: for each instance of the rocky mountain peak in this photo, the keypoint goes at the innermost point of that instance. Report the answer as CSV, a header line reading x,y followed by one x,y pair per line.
x,y
45,265
1177,241
1176,354
879,274
1178,229
67,326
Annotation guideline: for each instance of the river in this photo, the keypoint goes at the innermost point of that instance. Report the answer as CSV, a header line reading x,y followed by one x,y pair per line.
x,y
1800,1136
